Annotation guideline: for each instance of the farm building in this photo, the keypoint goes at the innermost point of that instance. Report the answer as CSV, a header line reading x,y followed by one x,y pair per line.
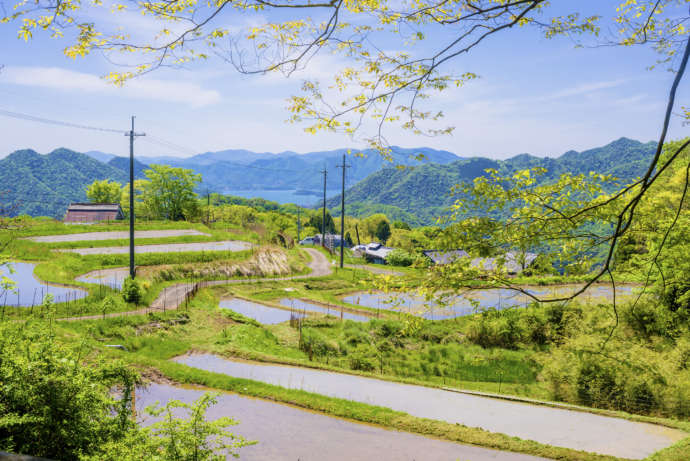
x,y
441,257
373,252
93,212
512,262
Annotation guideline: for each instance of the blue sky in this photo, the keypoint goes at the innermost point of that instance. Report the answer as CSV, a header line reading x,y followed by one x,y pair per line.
x,y
535,95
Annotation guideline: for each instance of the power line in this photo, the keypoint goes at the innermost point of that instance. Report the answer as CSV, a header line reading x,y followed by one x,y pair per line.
x,y
33,118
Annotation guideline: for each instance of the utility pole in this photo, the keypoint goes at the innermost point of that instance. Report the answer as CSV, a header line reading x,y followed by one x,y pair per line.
x,y
323,218
299,223
342,214
131,135
208,207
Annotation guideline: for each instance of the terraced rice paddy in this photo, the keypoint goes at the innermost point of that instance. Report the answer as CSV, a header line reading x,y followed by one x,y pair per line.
x,y
284,432
299,305
555,426
266,315
29,291
478,300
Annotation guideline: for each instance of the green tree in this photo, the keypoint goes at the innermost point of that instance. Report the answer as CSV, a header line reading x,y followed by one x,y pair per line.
x,y
168,192
316,218
401,225
51,405
383,231
104,191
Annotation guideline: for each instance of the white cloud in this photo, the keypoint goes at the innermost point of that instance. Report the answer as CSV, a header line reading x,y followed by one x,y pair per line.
x,y
140,88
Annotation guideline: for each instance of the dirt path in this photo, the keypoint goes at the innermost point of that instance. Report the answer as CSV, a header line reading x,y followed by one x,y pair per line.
x,y
226,245
174,296
115,235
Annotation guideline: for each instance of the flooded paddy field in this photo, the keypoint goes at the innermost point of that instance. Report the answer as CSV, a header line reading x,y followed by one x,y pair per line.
x,y
227,245
288,433
555,426
263,314
115,235
478,300
299,305
30,291
113,278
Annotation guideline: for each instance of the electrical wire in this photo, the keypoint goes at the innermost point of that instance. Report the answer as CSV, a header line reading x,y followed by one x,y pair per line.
x,y
33,118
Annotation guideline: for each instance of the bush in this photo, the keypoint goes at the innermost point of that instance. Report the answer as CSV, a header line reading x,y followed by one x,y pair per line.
x,y
400,257
362,358
132,292
50,404
316,345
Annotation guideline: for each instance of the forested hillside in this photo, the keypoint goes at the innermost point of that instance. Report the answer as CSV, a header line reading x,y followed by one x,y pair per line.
x,y
44,185
423,192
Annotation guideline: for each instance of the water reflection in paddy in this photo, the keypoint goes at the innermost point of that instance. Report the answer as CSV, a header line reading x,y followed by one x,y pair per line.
x,y
29,291
288,433
460,305
113,278
300,305
261,313
555,426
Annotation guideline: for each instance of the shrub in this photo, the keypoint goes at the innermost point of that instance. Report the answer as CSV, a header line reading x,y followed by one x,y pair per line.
x,y
362,358
316,345
132,291
400,257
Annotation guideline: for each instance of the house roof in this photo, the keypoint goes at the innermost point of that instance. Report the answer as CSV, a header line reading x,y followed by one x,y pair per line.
x,y
512,263
445,256
377,250
94,207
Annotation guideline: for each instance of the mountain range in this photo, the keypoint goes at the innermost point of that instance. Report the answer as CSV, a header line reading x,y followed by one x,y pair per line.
x,y
419,195
45,184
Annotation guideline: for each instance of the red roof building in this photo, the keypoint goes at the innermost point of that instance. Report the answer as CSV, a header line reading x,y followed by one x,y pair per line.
x,y
93,212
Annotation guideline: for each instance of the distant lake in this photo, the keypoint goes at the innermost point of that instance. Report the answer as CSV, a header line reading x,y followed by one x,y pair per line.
x,y
299,197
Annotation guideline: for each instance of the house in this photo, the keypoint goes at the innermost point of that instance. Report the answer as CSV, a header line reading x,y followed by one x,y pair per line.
x,y
441,257
377,253
513,263
93,212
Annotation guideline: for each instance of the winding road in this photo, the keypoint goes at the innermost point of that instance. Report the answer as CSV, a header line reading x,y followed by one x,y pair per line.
x,y
174,296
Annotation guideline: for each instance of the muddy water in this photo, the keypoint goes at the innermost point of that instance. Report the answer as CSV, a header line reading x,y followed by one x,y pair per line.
x,y
114,235
113,278
288,433
261,313
554,426
229,245
461,305
300,305
29,291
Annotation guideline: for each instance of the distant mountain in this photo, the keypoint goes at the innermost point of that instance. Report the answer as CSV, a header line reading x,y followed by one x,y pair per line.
x,y
44,185
100,156
245,170
423,192
122,164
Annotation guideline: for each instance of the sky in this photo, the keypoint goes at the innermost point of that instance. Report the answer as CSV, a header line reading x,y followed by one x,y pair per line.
x,y
534,95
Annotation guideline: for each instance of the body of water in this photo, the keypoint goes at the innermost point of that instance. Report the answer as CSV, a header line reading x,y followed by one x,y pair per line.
x,y
300,305
473,301
29,291
554,426
283,196
287,433
260,312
